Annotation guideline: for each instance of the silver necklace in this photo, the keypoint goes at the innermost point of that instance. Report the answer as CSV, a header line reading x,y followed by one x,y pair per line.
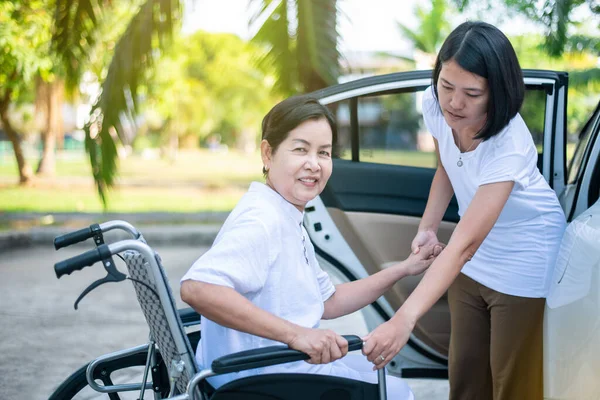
x,y
460,161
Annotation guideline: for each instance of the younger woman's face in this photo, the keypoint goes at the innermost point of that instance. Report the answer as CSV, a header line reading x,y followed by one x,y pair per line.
x,y
463,98
301,166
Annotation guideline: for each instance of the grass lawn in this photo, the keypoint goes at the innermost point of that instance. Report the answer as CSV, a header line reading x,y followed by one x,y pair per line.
x,y
123,199
198,167
196,181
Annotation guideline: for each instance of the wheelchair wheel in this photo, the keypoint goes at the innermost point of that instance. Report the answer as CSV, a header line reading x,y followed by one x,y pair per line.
x,y
76,385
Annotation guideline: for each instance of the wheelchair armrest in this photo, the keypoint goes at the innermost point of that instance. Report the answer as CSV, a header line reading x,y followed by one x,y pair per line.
x,y
266,356
189,316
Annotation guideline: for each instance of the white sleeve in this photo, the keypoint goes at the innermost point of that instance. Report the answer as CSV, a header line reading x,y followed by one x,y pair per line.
x,y
432,115
507,164
325,285
239,259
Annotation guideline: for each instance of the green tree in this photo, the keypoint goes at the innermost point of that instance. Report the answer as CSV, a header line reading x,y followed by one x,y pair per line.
x,y
195,98
301,38
49,98
427,38
24,38
555,15
433,27
305,58
583,91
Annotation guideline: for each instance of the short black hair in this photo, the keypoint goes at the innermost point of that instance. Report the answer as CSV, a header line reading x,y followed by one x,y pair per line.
x,y
290,113
484,50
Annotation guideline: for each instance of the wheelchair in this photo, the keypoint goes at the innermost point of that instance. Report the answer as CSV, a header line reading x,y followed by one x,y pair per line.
x,y
169,367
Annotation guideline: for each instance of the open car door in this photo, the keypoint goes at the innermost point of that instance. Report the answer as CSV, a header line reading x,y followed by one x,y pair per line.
x,y
368,215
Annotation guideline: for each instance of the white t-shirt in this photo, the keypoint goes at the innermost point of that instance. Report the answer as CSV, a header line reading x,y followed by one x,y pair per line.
x,y
264,253
518,255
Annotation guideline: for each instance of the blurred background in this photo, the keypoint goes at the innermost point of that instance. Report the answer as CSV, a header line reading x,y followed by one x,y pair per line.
x,y
155,106
150,111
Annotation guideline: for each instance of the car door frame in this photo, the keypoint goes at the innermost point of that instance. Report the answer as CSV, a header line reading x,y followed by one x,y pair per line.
x,y
583,191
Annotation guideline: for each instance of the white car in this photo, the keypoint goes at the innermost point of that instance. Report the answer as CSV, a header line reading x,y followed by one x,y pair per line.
x,y
368,214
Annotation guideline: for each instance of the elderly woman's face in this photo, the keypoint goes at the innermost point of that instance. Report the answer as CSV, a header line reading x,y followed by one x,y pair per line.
x,y
301,166
463,97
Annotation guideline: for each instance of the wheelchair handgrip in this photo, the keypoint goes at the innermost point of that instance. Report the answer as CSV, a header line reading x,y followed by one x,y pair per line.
x,y
266,356
73,237
80,261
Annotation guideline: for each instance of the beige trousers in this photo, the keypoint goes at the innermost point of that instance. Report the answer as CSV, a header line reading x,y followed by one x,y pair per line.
x,y
496,349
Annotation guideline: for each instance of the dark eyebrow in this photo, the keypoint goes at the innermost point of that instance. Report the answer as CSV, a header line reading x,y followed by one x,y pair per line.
x,y
469,89
308,144
301,141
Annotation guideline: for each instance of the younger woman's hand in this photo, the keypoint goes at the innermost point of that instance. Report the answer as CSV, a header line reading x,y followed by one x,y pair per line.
x,y
385,342
423,238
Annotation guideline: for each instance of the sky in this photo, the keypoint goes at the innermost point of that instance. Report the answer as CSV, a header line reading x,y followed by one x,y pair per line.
x,y
369,25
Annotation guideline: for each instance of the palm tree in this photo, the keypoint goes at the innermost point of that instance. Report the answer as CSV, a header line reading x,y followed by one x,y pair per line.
x,y
305,58
48,103
24,27
555,15
431,32
432,29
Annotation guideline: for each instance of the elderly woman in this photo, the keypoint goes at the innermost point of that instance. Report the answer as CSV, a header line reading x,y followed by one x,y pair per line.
x,y
260,284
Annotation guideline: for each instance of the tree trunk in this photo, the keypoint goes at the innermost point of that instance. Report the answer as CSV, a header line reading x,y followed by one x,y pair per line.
x,y
25,172
49,103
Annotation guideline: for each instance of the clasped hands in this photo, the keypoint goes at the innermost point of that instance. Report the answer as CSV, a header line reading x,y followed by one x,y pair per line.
x,y
385,342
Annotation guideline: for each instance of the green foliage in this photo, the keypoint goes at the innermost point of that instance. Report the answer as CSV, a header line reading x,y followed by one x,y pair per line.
x,y
555,15
24,50
433,27
207,83
73,34
584,80
309,53
301,40
134,54
427,38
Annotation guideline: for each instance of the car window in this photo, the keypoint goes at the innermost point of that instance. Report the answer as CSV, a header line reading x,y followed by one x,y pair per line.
x,y
533,112
341,112
391,131
580,150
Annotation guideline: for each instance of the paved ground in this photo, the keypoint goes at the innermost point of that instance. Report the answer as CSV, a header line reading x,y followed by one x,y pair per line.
x,y
44,339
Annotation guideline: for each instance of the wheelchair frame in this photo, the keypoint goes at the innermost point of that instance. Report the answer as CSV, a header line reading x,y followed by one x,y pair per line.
x,y
174,371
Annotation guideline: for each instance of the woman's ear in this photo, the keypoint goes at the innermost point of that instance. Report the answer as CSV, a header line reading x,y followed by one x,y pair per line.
x,y
266,153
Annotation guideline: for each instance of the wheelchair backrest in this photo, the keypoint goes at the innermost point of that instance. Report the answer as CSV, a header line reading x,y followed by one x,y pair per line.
x,y
162,317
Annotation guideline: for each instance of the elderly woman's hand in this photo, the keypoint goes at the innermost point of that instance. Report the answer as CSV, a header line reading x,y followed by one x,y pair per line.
x,y
322,345
418,262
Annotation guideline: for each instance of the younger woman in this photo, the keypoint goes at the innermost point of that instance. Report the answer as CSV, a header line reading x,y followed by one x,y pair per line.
x,y
498,262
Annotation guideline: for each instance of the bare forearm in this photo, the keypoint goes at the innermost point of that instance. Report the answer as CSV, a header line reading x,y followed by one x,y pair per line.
x,y
433,285
468,235
353,296
439,197
228,308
